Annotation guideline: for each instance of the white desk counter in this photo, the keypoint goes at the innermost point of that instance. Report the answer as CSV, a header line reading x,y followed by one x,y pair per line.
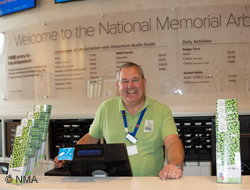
x,y
126,183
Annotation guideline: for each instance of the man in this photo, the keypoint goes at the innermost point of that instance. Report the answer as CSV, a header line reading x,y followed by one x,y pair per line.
x,y
144,124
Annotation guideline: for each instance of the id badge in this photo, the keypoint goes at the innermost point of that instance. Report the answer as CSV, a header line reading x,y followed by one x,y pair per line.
x,y
132,150
131,138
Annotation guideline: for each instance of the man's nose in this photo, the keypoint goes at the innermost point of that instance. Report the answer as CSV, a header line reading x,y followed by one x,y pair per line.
x,y
130,83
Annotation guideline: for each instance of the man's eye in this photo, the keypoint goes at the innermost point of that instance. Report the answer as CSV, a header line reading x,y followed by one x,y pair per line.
x,y
135,80
124,81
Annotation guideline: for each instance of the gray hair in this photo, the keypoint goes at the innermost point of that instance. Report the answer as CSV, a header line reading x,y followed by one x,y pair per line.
x,y
128,65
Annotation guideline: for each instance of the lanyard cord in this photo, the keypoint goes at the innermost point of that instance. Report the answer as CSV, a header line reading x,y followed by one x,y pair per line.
x,y
138,122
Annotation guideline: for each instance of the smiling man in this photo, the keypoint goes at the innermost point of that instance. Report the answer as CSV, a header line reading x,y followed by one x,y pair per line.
x,y
143,124
131,85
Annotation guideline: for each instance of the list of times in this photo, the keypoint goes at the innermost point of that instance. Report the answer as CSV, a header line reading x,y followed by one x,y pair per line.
x,y
193,65
214,65
67,72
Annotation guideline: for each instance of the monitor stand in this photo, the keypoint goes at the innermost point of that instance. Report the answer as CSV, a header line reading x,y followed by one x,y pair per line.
x,y
57,172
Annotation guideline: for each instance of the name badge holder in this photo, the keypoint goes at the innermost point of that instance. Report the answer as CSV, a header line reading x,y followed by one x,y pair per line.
x,y
131,136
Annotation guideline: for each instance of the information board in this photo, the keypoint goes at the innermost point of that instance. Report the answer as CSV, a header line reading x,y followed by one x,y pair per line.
x,y
187,53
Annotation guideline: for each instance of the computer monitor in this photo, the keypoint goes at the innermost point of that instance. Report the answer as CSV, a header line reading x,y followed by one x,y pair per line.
x,y
98,160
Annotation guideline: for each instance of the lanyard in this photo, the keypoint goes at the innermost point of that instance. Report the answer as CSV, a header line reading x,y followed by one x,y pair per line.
x,y
138,122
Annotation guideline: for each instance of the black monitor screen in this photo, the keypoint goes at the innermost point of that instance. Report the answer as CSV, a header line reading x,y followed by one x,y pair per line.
x,y
8,7
89,152
96,160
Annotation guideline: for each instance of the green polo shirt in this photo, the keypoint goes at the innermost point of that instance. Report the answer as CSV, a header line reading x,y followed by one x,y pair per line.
x,y
157,123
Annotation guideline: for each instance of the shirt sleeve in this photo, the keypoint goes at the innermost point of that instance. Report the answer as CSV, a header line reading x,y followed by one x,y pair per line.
x,y
95,129
168,123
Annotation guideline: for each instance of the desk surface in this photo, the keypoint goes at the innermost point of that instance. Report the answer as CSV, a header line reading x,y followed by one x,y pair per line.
x,y
126,183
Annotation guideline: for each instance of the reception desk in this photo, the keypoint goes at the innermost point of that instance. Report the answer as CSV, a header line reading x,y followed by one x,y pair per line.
x,y
126,183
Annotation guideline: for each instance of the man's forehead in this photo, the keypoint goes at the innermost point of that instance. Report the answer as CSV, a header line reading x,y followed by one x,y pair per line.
x,y
130,70
124,76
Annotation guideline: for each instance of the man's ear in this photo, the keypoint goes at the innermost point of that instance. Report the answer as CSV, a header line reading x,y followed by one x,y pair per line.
x,y
117,84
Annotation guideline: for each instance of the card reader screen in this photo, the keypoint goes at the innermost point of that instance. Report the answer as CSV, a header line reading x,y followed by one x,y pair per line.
x,y
90,152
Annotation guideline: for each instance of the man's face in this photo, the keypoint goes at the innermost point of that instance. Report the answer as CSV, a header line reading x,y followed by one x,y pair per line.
x,y
131,86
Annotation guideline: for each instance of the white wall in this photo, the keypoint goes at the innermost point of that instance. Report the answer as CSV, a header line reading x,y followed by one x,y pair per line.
x,y
46,12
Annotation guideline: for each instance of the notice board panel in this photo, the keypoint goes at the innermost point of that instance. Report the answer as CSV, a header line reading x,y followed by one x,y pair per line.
x,y
191,56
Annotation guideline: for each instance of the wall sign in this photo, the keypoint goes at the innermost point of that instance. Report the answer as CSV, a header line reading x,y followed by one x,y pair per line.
x,y
187,53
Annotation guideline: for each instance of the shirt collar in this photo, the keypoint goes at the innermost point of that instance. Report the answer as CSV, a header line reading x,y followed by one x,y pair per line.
x,y
146,104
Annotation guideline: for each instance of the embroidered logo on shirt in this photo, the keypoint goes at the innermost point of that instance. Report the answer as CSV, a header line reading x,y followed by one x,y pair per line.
x,y
148,127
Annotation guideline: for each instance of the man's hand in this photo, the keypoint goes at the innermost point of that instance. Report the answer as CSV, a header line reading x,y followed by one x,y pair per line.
x,y
174,155
58,163
170,171
86,139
